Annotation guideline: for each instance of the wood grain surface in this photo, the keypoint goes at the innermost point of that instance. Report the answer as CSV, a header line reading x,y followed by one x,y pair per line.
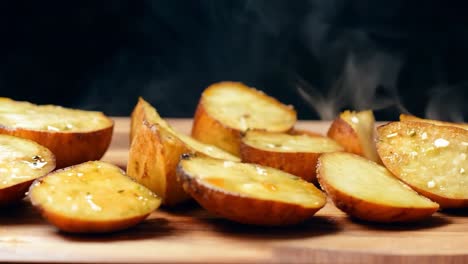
x,y
188,234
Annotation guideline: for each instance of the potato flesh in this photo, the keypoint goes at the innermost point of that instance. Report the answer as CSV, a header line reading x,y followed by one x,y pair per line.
x,y
290,143
14,114
363,123
244,108
22,160
366,180
207,149
433,158
93,191
254,181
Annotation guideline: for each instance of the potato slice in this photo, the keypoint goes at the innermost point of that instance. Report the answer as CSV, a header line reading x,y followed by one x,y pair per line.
x,y
74,136
431,159
21,162
249,193
296,154
92,197
228,109
155,152
355,132
368,191
404,117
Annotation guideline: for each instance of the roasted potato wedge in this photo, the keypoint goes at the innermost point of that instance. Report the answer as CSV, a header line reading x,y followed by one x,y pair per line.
x,y
404,117
155,152
152,161
21,162
74,136
92,197
227,109
296,154
355,132
368,191
431,159
249,193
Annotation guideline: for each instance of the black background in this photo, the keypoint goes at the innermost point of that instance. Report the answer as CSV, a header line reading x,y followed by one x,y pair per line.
x,y
321,56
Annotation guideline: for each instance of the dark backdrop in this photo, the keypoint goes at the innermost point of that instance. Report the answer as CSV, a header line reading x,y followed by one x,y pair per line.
x,y
321,56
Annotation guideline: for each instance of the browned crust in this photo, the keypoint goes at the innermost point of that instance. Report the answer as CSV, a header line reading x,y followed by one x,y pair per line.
x,y
244,209
404,117
137,117
301,164
74,225
150,152
345,135
69,148
370,211
211,131
444,202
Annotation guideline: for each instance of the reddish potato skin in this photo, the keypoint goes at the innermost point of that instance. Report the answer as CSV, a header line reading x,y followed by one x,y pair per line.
x,y
14,193
210,131
370,211
344,134
302,164
69,148
243,209
71,225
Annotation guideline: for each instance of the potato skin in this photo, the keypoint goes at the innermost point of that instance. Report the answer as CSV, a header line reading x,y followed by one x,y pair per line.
x,y
302,164
210,131
345,135
243,209
14,193
370,211
73,225
69,148
152,162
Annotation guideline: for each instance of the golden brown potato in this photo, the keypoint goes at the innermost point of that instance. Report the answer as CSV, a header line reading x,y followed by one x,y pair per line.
x,y
295,154
249,193
152,161
404,117
21,162
368,191
144,111
74,136
92,197
431,159
296,132
355,132
155,152
228,109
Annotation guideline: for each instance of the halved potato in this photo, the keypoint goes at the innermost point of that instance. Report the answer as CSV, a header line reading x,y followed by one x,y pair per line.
x,y
74,136
431,159
21,162
296,154
155,152
228,109
355,132
92,197
249,193
368,191
404,117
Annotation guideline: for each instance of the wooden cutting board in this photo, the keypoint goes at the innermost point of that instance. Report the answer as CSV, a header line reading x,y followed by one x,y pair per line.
x,y
188,234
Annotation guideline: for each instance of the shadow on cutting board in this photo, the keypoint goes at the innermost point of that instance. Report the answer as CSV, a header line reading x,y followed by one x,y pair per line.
x,y
432,222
